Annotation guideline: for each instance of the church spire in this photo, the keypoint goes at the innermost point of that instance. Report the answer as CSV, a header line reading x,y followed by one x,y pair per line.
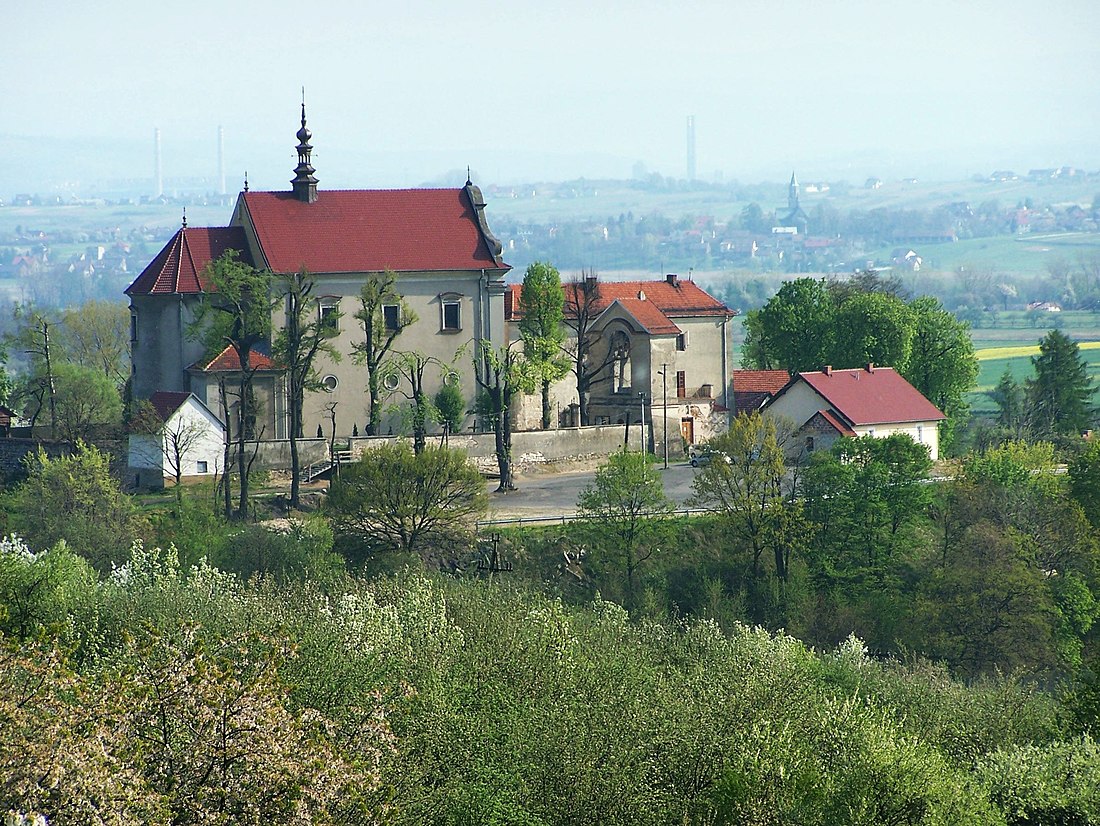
x,y
304,182
792,193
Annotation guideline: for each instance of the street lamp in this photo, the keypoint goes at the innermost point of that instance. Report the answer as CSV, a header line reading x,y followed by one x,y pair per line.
x,y
641,421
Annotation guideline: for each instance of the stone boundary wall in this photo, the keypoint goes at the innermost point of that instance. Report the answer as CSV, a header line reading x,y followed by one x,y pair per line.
x,y
528,447
12,451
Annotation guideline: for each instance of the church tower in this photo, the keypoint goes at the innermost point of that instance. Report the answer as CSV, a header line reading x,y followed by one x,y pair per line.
x,y
792,193
304,182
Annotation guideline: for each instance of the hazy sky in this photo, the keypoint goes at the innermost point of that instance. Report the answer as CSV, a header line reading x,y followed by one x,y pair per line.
x,y
398,92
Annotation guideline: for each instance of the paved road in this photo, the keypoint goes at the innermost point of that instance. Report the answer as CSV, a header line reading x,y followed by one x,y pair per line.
x,y
548,493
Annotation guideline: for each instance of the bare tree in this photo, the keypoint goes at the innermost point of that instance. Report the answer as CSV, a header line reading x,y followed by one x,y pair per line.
x,y
304,336
383,314
500,374
582,308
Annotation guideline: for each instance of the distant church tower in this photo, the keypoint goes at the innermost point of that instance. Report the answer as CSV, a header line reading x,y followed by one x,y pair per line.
x,y
304,182
795,216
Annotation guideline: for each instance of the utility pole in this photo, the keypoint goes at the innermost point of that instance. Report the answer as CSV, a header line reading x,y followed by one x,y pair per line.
x,y
641,422
664,408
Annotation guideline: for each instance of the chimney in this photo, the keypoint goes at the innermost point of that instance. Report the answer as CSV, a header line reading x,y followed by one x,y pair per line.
x,y
870,368
828,371
671,278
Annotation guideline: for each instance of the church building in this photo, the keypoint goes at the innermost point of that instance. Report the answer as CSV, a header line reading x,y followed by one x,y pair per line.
x,y
449,273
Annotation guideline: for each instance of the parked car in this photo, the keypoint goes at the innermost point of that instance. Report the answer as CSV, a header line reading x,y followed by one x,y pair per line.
x,y
702,455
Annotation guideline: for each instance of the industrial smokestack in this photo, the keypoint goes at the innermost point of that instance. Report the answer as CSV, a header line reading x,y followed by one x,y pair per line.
x,y
691,147
157,170
221,161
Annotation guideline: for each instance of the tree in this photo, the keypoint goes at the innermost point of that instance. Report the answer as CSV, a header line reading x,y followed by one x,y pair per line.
x,y
872,327
33,337
744,481
1084,482
941,365
75,499
500,373
627,500
797,326
1059,396
96,335
542,328
236,310
412,367
450,407
403,500
1008,395
383,314
582,308
304,336
84,398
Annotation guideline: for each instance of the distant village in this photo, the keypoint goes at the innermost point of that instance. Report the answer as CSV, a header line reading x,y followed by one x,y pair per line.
x,y
806,234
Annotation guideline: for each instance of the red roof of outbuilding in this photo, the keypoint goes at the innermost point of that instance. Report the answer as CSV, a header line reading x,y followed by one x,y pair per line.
x,y
167,402
227,361
760,381
370,231
680,300
874,395
751,388
178,267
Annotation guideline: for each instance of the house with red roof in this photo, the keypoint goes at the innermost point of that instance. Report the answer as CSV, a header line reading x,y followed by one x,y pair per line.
x,y
449,267
666,339
179,434
868,401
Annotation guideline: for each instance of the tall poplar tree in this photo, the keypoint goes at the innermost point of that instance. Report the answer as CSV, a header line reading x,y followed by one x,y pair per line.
x,y
543,329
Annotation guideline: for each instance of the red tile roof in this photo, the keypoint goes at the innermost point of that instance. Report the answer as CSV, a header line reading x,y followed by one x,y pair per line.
x,y
226,361
680,300
760,381
178,267
370,230
878,395
751,388
167,402
648,315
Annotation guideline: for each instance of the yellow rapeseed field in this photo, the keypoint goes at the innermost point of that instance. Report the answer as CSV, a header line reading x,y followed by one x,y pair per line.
x,y
990,353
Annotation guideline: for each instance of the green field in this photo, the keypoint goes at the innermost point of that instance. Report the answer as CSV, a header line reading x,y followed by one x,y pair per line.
x,y
1014,352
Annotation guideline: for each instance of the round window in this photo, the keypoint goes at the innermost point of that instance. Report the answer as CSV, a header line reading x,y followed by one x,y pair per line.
x,y
330,383
451,379
391,381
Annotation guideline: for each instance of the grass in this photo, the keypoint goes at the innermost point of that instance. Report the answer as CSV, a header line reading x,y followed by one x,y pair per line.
x,y
993,361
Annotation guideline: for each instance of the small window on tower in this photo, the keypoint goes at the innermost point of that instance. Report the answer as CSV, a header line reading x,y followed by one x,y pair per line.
x,y
133,327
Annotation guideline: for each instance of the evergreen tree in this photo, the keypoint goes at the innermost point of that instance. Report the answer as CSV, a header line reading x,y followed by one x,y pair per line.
x,y
1059,396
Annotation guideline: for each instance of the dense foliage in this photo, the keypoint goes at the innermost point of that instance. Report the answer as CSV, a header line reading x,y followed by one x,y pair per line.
x,y
189,696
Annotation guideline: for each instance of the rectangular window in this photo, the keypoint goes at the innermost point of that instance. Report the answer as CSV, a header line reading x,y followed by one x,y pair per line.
x,y
451,309
920,433
682,341
133,327
681,384
391,316
201,467
329,316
